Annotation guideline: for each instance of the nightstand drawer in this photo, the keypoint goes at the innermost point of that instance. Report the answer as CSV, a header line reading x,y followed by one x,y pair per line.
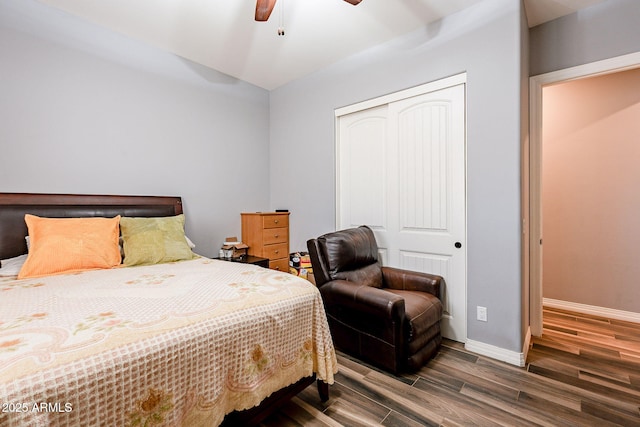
x,y
275,235
276,251
274,221
279,264
249,259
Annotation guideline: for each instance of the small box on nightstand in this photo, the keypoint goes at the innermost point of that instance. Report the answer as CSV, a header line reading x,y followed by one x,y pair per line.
x,y
237,248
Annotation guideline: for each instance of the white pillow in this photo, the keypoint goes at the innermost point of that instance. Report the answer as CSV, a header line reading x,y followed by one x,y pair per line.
x,y
12,266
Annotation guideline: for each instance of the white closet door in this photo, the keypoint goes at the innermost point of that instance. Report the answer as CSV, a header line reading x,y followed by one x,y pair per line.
x,y
402,172
362,171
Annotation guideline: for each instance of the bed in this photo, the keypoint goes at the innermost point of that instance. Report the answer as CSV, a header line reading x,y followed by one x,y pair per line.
x,y
180,342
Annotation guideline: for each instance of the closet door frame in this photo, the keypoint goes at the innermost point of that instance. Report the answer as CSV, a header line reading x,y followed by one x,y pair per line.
x,y
459,333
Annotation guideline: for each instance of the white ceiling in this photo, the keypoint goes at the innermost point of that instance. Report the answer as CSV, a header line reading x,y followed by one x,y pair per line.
x,y
222,34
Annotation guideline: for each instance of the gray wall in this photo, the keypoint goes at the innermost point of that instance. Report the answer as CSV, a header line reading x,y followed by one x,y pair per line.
x,y
602,31
486,42
85,110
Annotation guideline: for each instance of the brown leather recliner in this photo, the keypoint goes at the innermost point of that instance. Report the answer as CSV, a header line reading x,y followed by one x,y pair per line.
x,y
385,316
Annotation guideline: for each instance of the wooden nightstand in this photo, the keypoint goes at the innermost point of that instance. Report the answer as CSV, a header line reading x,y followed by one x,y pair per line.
x,y
249,259
267,234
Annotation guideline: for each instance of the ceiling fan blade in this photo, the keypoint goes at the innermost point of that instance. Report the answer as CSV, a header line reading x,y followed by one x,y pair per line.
x,y
263,9
353,2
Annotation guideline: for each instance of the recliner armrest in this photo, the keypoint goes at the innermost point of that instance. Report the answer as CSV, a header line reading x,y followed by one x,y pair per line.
x,y
361,298
396,278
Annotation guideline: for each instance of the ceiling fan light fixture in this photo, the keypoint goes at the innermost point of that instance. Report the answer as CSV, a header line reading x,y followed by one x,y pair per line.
x,y
264,9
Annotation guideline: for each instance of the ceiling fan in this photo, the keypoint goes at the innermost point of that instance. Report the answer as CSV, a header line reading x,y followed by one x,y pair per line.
x,y
264,8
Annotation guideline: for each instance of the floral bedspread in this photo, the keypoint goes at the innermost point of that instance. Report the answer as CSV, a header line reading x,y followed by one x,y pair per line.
x,y
173,344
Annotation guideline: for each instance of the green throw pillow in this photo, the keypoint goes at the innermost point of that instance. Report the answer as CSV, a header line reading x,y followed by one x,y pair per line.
x,y
154,240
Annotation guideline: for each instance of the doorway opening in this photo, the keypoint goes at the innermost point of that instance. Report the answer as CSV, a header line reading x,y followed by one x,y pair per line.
x,y
537,88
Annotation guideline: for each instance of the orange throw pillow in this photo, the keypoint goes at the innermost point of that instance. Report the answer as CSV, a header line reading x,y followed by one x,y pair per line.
x,y
65,245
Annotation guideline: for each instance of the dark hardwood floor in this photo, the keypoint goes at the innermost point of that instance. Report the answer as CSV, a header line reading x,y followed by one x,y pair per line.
x,y
583,371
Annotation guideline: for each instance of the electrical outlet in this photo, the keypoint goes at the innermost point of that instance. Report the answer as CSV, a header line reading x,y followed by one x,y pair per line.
x,y
482,313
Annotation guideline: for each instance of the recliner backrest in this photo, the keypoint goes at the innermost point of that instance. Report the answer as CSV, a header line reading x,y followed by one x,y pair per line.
x,y
350,254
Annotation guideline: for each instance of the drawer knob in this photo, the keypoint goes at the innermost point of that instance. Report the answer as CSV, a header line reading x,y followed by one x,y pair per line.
x,y
277,235
276,221
277,251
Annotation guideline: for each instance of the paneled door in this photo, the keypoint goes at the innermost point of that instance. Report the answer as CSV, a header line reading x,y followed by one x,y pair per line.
x,y
401,170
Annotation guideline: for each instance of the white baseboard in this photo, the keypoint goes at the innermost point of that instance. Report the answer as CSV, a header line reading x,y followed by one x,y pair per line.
x,y
498,353
519,359
610,313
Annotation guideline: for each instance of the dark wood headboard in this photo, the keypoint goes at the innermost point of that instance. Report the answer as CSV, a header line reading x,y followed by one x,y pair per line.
x,y
13,207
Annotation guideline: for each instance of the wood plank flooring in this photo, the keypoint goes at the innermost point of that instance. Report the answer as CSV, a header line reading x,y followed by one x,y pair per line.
x,y
583,371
